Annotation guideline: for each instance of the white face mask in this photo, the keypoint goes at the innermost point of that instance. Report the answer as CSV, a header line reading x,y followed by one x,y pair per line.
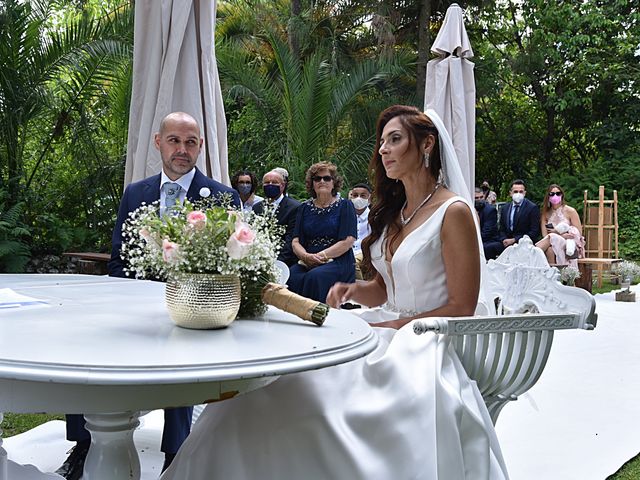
x,y
517,197
360,203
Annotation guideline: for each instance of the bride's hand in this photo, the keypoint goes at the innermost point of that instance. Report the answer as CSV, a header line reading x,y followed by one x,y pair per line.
x,y
340,293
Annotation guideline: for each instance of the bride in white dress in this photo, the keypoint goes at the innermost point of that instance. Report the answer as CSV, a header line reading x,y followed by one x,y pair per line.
x,y
408,410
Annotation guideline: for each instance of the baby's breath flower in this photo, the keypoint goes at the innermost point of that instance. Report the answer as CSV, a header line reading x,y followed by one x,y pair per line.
x,y
204,237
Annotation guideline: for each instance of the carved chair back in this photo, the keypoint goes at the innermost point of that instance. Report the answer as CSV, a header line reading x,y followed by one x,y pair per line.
x,y
505,352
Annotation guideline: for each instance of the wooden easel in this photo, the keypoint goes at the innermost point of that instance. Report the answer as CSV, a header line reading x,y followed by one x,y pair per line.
x,y
600,230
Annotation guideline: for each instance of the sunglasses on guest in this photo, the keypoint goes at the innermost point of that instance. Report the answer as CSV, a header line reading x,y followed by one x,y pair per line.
x,y
553,194
326,178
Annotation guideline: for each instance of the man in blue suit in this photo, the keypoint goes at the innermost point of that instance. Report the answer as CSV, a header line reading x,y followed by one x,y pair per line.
x,y
488,216
179,142
519,217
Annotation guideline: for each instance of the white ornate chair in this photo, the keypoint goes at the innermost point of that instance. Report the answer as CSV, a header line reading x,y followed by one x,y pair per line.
x,y
506,353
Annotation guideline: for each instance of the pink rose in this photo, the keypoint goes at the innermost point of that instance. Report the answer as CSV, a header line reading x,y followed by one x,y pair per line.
x,y
170,251
240,241
244,234
197,219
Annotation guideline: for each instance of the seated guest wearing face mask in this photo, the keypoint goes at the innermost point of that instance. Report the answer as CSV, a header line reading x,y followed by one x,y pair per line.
x,y
286,209
245,183
285,174
488,217
563,242
519,217
360,196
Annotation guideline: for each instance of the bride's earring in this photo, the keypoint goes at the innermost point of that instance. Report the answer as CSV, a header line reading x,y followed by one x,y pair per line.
x,y
425,159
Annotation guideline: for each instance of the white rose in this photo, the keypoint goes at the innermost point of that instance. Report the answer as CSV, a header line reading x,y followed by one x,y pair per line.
x,y
240,241
205,192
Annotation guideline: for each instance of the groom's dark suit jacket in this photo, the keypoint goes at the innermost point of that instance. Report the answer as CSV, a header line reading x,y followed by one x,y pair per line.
x,y
526,222
177,421
286,215
148,191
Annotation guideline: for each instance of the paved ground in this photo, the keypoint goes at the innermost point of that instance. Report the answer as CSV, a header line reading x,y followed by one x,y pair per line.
x,y
580,421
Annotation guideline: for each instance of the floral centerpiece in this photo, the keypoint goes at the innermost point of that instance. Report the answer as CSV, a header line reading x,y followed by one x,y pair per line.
x,y
569,274
203,238
628,271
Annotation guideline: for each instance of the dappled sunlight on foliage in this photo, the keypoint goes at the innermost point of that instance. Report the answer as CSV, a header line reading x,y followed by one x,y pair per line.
x,y
558,98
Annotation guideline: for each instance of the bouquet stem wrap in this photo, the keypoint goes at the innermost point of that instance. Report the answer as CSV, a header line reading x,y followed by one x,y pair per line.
x,y
281,297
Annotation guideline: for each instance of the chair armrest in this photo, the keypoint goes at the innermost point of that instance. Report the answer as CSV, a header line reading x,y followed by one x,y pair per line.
x,y
500,324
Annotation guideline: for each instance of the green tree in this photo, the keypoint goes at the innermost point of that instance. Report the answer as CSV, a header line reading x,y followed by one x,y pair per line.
x,y
306,102
14,250
556,87
64,95
46,74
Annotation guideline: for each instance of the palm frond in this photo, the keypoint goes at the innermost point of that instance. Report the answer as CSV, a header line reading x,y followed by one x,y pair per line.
x,y
312,110
290,74
243,78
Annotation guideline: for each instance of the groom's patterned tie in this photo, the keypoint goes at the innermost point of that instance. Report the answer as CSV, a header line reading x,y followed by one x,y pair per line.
x,y
172,192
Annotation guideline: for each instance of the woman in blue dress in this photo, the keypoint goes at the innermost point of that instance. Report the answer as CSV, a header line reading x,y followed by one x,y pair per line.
x,y
326,228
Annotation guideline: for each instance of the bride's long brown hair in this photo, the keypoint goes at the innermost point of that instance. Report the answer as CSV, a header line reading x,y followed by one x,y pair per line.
x,y
389,194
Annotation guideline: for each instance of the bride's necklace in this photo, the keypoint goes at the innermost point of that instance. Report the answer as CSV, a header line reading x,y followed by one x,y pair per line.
x,y
403,220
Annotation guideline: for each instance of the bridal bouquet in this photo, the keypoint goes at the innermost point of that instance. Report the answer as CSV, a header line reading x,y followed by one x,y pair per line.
x,y
202,237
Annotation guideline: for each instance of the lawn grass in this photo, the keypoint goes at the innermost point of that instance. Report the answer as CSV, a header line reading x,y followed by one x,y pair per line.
x,y
629,471
15,423
607,287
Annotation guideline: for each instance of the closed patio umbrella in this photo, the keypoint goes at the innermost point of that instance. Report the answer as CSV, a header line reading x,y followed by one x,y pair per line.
x,y
174,69
450,90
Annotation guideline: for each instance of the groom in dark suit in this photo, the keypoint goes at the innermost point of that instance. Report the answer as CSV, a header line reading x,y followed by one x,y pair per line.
x,y
519,217
179,142
274,185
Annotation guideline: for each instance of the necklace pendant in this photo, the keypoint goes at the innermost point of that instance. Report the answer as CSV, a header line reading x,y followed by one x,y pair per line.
x,y
402,219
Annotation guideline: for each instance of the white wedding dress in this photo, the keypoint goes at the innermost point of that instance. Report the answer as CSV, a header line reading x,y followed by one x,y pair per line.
x,y
406,411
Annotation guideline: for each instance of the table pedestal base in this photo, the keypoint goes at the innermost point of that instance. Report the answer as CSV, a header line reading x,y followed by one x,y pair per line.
x,y
112,455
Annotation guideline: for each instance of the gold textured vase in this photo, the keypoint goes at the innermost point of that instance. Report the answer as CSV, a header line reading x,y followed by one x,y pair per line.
x,y
203,300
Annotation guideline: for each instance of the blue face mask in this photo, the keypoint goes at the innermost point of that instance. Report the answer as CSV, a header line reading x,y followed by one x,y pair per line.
x,y
244,189
272,191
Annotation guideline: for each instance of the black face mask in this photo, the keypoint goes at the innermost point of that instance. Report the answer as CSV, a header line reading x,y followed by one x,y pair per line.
x,y
480,204
272,191
485,188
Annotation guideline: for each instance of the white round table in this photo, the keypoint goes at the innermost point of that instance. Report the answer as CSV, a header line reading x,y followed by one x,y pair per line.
x,y
107,348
